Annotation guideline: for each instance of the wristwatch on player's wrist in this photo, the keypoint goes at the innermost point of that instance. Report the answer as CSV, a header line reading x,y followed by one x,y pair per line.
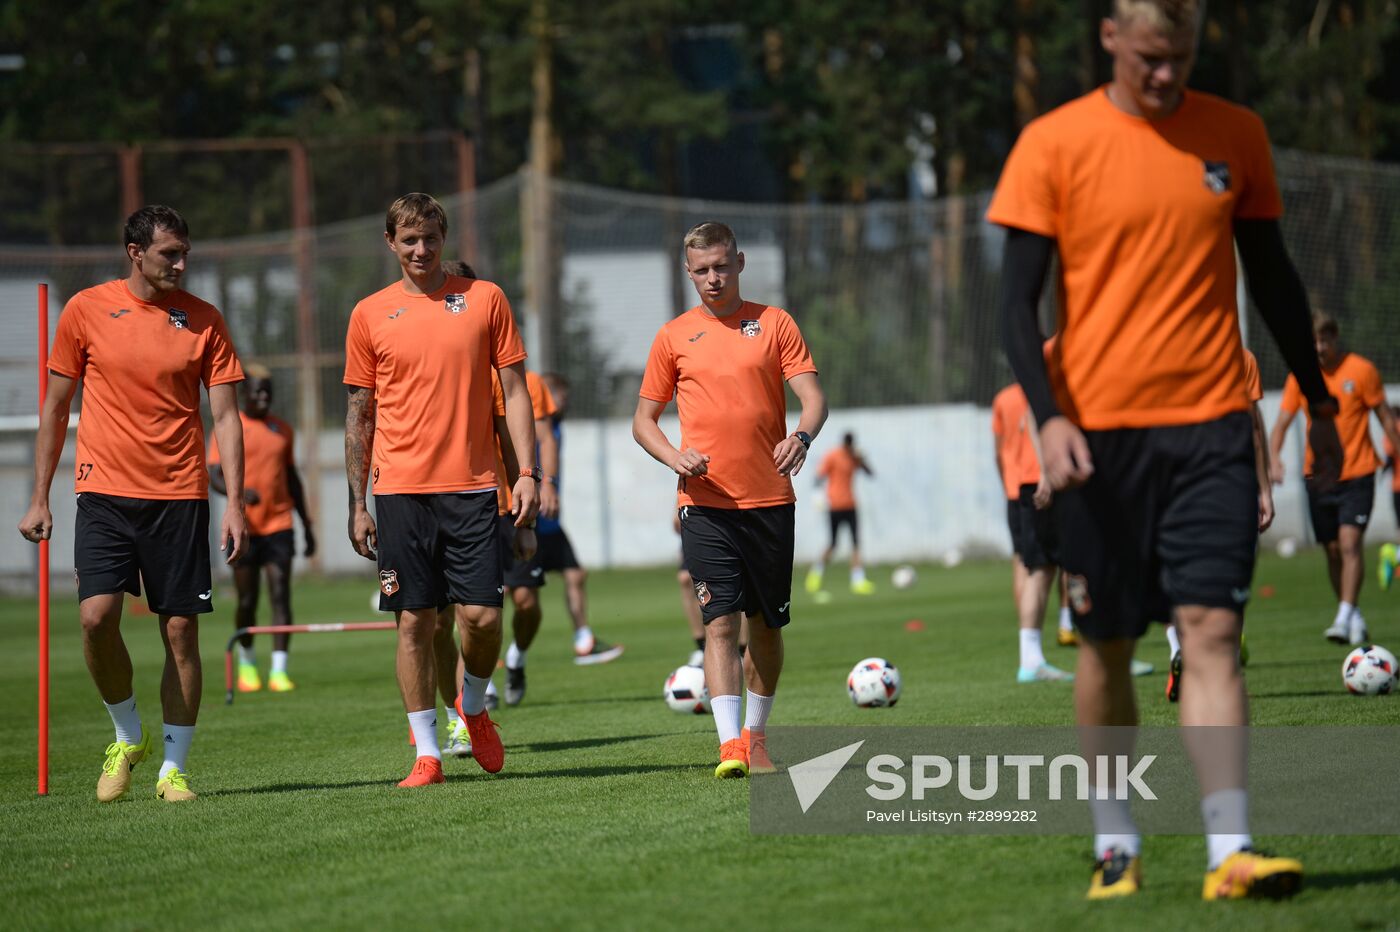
x,y
805,437
1328,407
532,473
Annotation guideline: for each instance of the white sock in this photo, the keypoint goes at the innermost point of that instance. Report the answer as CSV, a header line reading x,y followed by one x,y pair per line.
x,y
178,739
424,725
1344,610
819,567
857,574
279,661
1066,622
452,717
126,720
756,713
581,636
515,657
1032,657
1356,617
247,654
1113,825
1173,641
474,693
491,688
726,710
1225,815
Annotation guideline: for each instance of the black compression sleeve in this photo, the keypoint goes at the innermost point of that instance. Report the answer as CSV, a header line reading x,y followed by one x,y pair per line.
x,y
1024,264
1282,301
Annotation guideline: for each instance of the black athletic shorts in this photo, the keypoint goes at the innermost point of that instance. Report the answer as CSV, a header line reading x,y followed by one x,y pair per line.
x,y
120,542
740,560
527,573
276,548
438,548
1170,517
847,517
1348,502
556,552
1033,533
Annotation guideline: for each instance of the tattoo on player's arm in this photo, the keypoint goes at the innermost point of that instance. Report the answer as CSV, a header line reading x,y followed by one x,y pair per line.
x,y
359,440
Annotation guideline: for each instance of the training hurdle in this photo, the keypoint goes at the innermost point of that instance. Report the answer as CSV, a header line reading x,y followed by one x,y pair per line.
x,y
290,629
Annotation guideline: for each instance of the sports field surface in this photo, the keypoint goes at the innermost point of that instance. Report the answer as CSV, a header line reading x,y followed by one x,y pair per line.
x,y
607,814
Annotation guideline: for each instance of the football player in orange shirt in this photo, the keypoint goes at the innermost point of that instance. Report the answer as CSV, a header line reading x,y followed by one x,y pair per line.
x,y
726,362
143,347
272,490
1340,512
838,471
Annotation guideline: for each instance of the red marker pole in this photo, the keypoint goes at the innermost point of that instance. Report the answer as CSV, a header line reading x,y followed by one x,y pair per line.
x,y
43,565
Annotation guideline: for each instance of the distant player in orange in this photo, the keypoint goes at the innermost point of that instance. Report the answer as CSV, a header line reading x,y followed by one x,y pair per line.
x,y
1254,390
838,470
419,357
725,362
1034,542
1143,189
143,347
1340,514
271,490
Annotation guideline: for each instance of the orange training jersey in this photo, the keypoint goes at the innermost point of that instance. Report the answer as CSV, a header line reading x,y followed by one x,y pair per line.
x,y
727,377
267,455
429,359
1357,386
1015,451
1253,386
1142,214
140,433
839,467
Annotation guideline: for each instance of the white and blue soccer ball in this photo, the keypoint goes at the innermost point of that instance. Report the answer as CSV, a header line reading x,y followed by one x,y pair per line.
x,y
685,691
1369,671
874,683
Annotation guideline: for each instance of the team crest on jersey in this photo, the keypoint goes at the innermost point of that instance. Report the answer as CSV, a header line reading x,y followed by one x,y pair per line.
x,y
702,594
388,581
1217,177
456,303
1349,387
1078,591
750,328
178,320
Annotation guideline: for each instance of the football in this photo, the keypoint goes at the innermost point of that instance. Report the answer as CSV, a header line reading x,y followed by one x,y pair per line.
x,y
904,576
1369,671
874,683
685,691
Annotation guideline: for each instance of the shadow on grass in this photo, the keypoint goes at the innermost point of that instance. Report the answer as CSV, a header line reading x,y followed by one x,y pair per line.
x,y
389,782
1296,694
1337,880
602,700
545,746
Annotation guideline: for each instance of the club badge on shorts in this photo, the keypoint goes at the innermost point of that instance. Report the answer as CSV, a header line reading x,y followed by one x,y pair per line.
x,y
455,303
1078,591
702,594
388,581
750,328
1217,177
178,320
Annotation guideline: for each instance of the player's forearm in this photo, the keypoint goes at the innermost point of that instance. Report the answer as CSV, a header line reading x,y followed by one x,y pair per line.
x,y
652,438
1282,301
1024,266
298,494
48,446
1261,448
359,443
1277,434
228,431
521,421
814,413
549,448
507,445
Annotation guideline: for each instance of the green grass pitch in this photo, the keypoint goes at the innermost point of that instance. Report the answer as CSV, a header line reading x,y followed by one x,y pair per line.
x,y
607,814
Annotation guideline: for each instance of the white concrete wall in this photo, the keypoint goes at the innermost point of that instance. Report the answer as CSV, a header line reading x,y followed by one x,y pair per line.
x,y
935,490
